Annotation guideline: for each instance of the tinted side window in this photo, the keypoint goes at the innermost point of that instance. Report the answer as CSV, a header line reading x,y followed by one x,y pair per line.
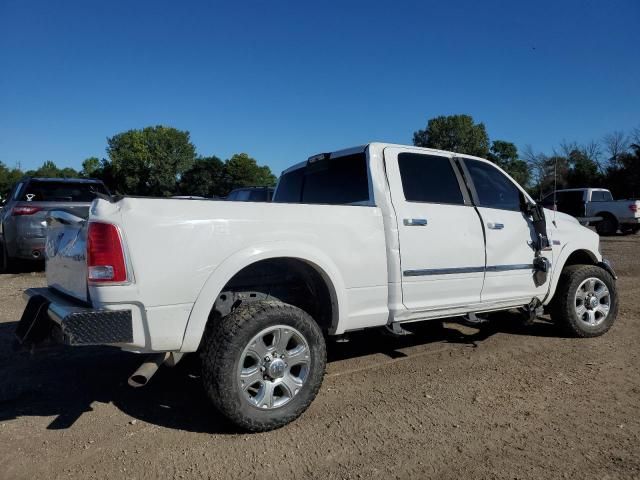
x,y
16,192
428,178
601,196
547,201
493,188
290,187
337,181
258,195
242,195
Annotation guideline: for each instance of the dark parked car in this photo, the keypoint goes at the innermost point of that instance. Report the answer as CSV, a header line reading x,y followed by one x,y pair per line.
x,y
251,194
23,216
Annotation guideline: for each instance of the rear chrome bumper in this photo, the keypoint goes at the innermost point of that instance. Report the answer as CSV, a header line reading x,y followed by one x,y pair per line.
x,y
50,314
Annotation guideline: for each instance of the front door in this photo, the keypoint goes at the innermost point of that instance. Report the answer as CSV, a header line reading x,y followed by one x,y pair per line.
x,y
441,239
510,235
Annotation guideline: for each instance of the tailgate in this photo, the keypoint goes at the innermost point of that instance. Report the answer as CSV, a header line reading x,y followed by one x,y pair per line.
x,y
66,254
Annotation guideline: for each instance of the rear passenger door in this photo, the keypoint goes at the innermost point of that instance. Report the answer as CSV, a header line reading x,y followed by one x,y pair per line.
x,y
442,250
510,235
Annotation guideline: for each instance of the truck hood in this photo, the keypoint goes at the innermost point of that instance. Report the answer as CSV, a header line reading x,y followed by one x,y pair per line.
x,y
566,229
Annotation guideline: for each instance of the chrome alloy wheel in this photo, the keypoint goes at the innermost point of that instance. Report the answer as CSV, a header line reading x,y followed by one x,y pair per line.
x,y
592,302
273,367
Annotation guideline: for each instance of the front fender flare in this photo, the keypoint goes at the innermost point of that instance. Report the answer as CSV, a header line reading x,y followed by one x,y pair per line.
x,y
560,261
606,265
225,271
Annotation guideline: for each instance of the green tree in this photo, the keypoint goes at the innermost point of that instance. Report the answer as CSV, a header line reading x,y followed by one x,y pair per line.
x,y
583,172
505,155
149,161
243,171
91,167
205,178
8,178
48,169
623,177
555,173
455,133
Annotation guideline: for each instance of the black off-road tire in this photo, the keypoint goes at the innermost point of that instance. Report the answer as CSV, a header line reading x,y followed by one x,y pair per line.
x,y
607,226
563,306
225,340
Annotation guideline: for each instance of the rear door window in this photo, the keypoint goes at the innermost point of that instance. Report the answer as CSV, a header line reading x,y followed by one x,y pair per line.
x,y
571,203
429,178
52,191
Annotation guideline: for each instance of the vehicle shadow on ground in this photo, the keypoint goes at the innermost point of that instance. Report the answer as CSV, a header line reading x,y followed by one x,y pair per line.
x,y
64,382
25,266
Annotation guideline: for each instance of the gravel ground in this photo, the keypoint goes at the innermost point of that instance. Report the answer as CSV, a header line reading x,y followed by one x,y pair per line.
x,y
502,402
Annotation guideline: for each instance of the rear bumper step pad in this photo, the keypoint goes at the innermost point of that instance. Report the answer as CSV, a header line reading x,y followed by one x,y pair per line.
x,y
50,314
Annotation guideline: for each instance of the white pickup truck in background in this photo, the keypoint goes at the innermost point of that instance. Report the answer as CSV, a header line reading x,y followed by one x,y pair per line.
x,y
613,215
370,237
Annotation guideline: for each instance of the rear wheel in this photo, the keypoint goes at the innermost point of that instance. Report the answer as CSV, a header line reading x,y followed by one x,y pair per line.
x,y
630,229
607,226
263,364
586,301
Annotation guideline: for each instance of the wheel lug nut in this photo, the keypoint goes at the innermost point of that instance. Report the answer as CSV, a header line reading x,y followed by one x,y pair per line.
x,y
262,369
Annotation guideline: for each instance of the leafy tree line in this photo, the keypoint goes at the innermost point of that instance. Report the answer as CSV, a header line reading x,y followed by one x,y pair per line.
x,y
162,161
612,162
156,161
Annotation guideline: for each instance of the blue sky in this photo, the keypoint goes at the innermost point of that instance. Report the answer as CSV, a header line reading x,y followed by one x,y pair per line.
x,y
283,80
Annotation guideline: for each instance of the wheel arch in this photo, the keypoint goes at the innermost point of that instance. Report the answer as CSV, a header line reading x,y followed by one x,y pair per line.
x,y
570,256
233,266
606,214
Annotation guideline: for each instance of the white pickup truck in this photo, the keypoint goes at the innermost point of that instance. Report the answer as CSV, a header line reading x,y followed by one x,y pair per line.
x,y
585,203
373,236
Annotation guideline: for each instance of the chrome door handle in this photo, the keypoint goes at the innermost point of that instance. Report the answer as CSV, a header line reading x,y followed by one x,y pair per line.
x,y
415,222
495,226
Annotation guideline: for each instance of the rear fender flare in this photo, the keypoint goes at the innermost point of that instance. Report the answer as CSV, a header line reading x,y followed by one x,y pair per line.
x,y
226,270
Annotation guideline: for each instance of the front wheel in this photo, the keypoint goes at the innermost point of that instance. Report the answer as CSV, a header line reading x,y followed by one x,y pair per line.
x,y
263,364
586,301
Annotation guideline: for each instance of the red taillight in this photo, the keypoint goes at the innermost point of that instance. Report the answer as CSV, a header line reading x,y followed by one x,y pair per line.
x,y
105,257
24,211
633,207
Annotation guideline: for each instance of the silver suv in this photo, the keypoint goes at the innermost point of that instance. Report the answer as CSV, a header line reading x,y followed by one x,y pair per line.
x,y
23,216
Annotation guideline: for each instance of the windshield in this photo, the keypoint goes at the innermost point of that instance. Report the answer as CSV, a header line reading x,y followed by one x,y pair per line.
x,y
52,191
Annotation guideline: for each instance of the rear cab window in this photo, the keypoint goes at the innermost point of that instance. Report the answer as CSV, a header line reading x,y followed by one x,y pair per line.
x,y
343,180
58,191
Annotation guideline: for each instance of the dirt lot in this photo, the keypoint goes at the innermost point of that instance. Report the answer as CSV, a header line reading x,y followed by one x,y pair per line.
x,y
501,402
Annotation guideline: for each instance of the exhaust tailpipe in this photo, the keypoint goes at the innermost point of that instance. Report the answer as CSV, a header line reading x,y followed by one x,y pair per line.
x,y
36,254
148,368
